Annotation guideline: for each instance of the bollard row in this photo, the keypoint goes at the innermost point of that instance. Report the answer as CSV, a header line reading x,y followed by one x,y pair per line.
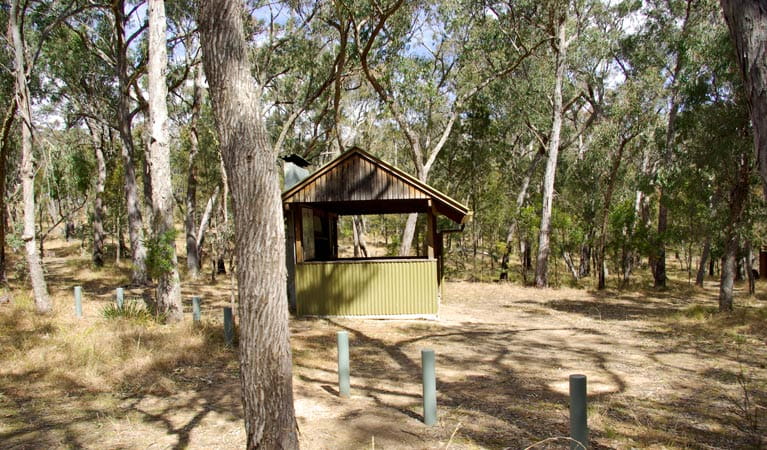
x,y
579,432
196,311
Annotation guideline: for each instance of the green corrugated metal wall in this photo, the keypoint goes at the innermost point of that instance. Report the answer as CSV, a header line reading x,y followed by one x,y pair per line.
x,y
369,288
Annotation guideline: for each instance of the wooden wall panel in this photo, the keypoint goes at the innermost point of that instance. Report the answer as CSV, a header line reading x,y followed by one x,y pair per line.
x,y
357,179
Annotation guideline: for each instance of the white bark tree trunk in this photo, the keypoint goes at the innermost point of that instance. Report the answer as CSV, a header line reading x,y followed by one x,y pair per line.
x,y
560,49
168,284
36,274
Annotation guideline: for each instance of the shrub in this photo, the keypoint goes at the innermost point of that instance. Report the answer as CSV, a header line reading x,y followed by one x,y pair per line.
x,y
132,310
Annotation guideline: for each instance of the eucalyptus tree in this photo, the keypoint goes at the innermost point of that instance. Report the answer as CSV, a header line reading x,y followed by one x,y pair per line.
x,y
8,107
240,97
573,103
426,88
80,85
716,138
45,17
664,47
560,41
163,247
37,277
265,351
128,69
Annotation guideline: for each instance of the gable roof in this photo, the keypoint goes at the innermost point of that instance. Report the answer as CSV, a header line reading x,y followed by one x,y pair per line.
x,y
358,177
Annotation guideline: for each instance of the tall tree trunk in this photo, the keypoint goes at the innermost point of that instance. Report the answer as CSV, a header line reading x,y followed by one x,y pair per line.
x,y
560,48
97,135
359,229
168,284
729,267
703,260
355,238
265,355
135,223
584,268
747,21
659,271
408,233
36,274
521,196
192,251
612,178
200,236
4,149
737,202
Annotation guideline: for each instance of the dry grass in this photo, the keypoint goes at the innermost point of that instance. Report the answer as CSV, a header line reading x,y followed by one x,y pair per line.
x,y
665,370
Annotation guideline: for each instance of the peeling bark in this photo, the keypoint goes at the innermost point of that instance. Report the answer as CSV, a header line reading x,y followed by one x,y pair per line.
x,y
168,283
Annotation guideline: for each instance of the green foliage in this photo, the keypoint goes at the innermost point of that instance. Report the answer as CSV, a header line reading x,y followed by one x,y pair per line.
x,y
133,310
159,255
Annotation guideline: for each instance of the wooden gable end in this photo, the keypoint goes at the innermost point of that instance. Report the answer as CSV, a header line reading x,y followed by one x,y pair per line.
x,y
355,178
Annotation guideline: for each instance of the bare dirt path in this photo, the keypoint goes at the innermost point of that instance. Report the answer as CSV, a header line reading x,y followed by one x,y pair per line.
x,y
663,371
504,356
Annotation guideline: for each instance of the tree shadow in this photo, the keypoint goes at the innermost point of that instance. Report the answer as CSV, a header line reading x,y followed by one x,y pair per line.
x,y
48,407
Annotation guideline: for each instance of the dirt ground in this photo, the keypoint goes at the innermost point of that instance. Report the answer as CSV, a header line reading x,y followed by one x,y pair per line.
x,y
663,371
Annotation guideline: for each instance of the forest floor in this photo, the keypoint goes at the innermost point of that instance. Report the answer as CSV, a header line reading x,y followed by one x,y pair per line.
x,y
664,370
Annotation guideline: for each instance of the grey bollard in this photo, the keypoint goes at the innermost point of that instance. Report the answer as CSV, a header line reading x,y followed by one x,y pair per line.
x,y
429,387
119,297
344,386
78,301
579,430
196,313
228,326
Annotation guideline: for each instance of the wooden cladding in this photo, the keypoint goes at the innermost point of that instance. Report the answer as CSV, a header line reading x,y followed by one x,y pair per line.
x,y
356,179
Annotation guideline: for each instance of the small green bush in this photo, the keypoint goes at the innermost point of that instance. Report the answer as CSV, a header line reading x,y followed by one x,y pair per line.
x,y
132,310
159,253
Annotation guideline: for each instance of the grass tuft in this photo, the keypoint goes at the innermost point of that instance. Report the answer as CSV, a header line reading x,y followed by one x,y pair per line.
x,y
699,312
131,310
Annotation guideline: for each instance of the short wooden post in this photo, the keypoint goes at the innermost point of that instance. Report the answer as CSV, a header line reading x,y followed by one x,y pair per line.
x,y
579,430
344,386
228,326
429,387
119,297
78,302
196,313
